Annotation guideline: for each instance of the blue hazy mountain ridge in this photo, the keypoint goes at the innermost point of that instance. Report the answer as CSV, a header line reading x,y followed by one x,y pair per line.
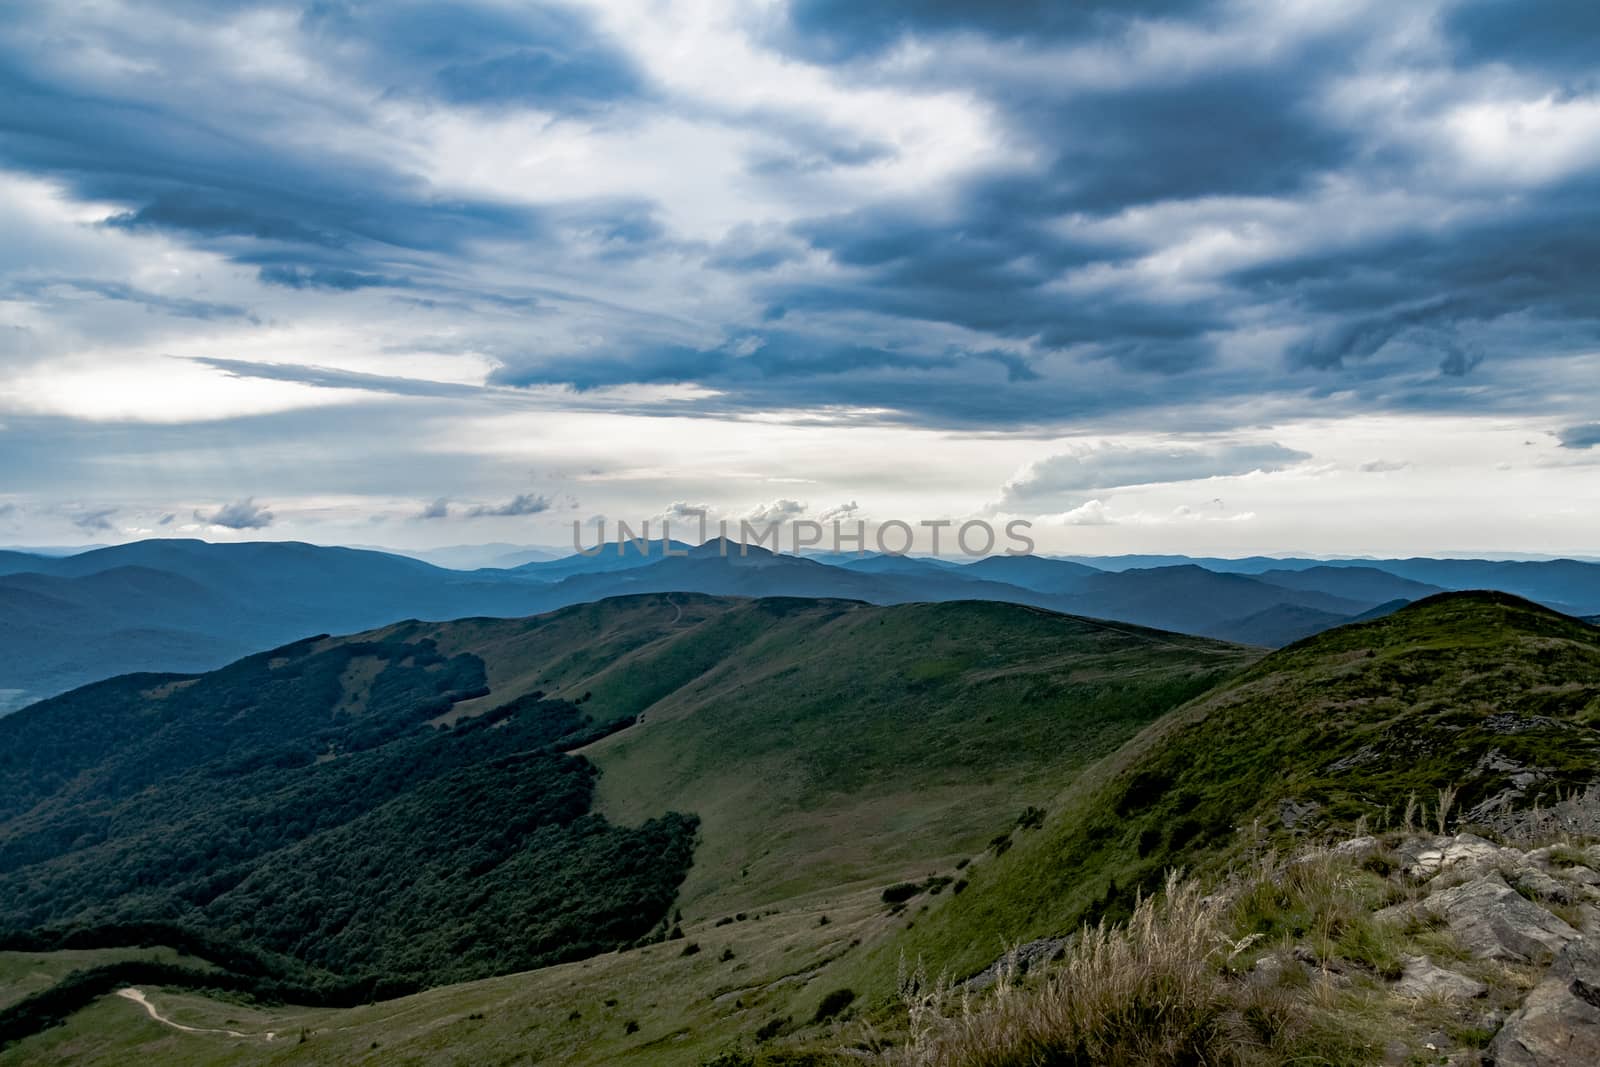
x,y
187,605
620,555
471,557
1360,583
1043,573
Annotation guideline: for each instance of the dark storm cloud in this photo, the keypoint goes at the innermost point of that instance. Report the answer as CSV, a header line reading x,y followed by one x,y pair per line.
x,y
1234,133
209,185
843,29
1539,264
1551,35
545,56
1580,436
325,278
1254,128
754,363
209,169
993,263
1018,293
48,289
991,270
331,378
96,520
523,504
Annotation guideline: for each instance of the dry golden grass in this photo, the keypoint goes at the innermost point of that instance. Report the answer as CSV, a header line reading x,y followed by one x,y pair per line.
x,y
1285,962
1147,992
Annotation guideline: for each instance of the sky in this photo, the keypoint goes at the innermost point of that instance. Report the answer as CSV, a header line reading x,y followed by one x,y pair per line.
x,y
1217,278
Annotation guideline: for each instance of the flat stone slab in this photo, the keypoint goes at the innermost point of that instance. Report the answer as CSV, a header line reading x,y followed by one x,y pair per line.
x,y
1495,922
1424,978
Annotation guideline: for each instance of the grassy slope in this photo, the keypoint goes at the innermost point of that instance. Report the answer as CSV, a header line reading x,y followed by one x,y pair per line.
x,y
826,742
687,1008
1353,720
23,974
849,743
830,747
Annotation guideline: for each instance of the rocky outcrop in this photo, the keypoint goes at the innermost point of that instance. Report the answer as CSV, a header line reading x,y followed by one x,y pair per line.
x,y
1535,884
1424,978
1558,1024
1018,962
1426,857
1500,904
1495,922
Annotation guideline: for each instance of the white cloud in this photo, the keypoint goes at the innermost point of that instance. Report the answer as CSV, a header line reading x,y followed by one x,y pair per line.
x,y
243,514
776,511
521,504
1089,465
1093,513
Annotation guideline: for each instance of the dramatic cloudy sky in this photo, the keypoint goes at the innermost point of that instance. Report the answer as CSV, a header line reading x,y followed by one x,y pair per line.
x,y
1252,275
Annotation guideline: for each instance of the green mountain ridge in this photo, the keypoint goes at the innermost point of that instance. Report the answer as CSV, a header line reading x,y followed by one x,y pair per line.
x,y
407,804
1458,691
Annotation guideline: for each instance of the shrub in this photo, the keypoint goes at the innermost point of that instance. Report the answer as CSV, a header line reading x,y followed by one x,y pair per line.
x,y
833,1004
899,894
733,1057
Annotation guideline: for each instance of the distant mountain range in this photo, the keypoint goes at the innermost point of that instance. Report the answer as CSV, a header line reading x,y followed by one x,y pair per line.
x,y
471,557
185,605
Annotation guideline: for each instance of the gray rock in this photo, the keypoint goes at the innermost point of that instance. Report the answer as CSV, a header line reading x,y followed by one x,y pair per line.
x,y
1297,812
1424,978
1540,857
1493,921
1541,886
1019,961
1495,762
1559,1024
1581,875
1365,754
1496,808
1426,858
1268,970
1355,848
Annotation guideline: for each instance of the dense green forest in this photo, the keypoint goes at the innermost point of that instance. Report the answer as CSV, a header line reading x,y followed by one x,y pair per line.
x,y
300,802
